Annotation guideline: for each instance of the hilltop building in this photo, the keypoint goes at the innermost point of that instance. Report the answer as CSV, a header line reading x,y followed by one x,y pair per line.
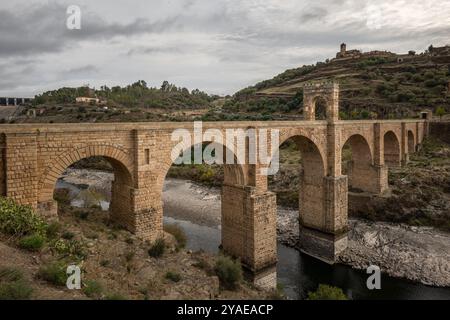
x,y
355,54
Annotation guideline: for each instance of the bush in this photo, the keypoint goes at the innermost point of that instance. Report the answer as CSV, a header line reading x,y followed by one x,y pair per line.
x,y
68,235
228,271
173,276
18,290
325,292
115,296
33,242
53,230
54,273
93,289
13,286
157,249
69,248
178,233
19,220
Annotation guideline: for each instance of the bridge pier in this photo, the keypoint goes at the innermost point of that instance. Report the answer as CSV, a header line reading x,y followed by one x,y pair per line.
x,y
326,236
249,231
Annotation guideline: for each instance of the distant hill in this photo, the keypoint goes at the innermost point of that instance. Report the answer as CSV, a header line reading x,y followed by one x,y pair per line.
x,y
135,102
374,84
377,84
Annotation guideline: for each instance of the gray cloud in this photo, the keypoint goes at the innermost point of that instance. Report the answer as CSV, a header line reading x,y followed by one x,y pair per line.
x,y
218,46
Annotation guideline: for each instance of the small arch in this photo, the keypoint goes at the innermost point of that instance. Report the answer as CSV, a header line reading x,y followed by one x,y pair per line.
x,y
411,142
391,149
320,106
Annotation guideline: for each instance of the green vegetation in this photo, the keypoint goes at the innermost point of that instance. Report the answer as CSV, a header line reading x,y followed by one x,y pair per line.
x,y
178,234
13,285
325,292
33,242
173,276
54,273
93,289
136,95
115,296
229,272
157,249
18,220
440,112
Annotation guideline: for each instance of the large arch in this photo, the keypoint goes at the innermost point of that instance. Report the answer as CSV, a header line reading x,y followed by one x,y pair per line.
x,y
311,189
359,168
391,149
233,202
121,202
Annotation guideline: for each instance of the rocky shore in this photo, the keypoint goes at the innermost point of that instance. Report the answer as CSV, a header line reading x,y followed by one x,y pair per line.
x,y
420,254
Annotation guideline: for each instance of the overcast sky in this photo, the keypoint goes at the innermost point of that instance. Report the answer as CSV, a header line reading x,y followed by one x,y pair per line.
x,y
219,46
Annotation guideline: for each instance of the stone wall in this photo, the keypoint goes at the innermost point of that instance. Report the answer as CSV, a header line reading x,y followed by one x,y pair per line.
x,y
33,157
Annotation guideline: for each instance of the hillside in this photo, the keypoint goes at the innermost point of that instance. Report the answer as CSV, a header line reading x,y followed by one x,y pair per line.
x,y
376,84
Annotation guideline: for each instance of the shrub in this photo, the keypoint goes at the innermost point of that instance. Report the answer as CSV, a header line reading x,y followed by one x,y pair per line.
x,y
13,286
68,235
173,276
70,248
54,273
325,292
33,242
53,230
93,289
19,220
228,271
157,249
18,290
115,296
178,233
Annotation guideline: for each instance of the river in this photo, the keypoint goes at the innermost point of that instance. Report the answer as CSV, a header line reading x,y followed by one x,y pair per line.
x,y
297,273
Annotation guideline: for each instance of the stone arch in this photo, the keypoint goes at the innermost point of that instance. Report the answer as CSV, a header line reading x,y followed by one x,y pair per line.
x,y
391,149
326,91
122,167
411,142
234,174
311,189
359,168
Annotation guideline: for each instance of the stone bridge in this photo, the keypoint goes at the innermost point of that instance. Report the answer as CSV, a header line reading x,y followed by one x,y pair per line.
x,y
34,156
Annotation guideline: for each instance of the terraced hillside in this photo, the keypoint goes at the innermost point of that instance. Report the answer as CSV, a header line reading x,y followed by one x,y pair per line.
x,y
372,86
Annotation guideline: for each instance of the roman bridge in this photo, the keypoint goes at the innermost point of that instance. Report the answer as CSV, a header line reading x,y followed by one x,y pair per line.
x,y
34,156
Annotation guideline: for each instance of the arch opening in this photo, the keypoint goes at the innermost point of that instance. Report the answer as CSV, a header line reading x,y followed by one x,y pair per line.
x,y
193,201
411,142
94,184
357,164
299,182
391,149
320,108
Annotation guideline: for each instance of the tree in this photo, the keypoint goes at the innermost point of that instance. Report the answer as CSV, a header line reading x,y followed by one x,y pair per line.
x,y
440,111
325,292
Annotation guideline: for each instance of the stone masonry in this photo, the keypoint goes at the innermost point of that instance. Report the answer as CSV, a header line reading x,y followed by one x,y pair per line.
x,y
33,157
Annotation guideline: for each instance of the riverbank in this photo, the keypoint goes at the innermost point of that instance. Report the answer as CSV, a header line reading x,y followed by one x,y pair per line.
x,y
419,254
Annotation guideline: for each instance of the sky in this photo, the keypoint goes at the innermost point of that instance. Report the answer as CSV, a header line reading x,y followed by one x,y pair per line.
x,y
218,46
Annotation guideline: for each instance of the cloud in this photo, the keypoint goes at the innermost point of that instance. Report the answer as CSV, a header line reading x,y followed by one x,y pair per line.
x,y
218,46
41,28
